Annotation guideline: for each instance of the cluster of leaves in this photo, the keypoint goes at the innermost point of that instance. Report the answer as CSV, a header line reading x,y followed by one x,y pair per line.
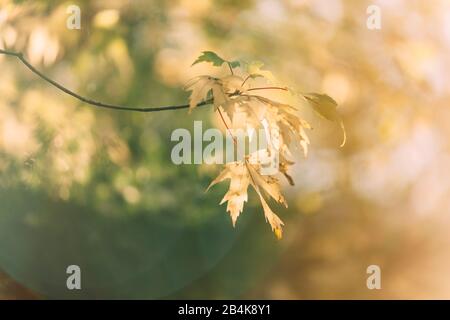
x,y
240,109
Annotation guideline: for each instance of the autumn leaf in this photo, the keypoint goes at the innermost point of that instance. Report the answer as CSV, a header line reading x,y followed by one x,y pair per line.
x,y
232,83
283,127
254,69
237,194
201,87
269,184
274,221
325,106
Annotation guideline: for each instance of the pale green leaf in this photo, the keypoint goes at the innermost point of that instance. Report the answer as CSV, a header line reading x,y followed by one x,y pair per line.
x,y
212,57
325,106
254,69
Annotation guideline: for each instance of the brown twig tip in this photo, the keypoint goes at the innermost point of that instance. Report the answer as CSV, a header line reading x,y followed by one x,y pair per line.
x,y
98,104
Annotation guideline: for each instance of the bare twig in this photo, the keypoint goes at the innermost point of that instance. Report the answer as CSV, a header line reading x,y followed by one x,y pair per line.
x,y
269,88
19,56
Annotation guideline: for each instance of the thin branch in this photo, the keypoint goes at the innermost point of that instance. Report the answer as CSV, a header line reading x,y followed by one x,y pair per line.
x,y
269,88
19,56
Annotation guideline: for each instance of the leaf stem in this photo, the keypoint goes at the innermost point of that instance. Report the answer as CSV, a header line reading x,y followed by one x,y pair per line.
x,y
226,125
245,80
231,68
268,88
